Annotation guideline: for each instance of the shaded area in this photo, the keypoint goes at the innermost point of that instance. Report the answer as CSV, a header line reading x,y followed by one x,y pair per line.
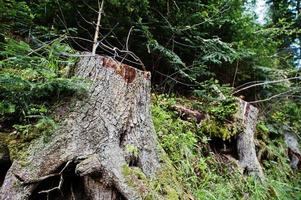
x,y
5,161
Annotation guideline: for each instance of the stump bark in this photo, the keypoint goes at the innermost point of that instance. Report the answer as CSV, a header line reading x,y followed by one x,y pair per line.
x,y
293,150
89,150
246,143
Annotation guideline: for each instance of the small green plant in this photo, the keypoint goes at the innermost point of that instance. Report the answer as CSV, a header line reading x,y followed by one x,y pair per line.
x,y
208,175
221,130
220,103
131,149
33,80
165,185
28,132
19,140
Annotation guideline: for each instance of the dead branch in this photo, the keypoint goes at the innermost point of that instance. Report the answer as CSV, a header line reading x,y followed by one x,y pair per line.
x,y
189,114
128,38
127,45
235,74
97,28
282,94
266,83
92,24
116,50
60,183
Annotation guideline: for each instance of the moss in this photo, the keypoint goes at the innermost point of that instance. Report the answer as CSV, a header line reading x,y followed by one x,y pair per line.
x,y
136,179
171,193
132,149
19,141
165,185
224,131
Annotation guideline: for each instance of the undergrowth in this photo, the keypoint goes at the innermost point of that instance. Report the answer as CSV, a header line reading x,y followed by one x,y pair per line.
x,y
32,80
210,175
34,77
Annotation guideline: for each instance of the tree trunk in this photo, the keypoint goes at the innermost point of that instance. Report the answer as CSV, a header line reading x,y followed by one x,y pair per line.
x,y
245,141
93,143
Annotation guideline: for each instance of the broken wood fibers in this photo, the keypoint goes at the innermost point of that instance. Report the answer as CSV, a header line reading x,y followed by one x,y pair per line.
x,y
124,70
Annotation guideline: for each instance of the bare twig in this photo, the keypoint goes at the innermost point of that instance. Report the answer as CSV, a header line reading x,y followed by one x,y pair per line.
x,y
266,83
235,74
69,34
109,52
79,38
85,19
89,6
116,50
103,37
248,83
127,45
175,80
128,38
41,47
274,96
55,188
79,25
63,16
60,183
97,28
210,19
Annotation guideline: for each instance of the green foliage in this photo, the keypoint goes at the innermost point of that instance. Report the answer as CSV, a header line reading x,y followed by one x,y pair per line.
x,y
19,140
221,122
222,105
165,185
131,149
211,176
30,131
16,16
178,138
187,42
285,117
31,80
224,110
262,127
216,129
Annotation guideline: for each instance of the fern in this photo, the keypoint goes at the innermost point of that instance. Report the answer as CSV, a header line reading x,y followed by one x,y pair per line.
x,y
34,77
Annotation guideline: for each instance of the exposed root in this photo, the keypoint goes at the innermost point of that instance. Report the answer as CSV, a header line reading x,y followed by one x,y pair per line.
x,y
42,178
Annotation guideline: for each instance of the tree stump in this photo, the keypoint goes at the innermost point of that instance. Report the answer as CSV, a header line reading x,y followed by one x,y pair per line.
x,y
92,142
245,142
293,150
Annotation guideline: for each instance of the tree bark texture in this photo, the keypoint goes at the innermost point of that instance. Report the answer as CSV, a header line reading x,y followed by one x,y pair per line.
x,y
294,152
245,141
92,140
